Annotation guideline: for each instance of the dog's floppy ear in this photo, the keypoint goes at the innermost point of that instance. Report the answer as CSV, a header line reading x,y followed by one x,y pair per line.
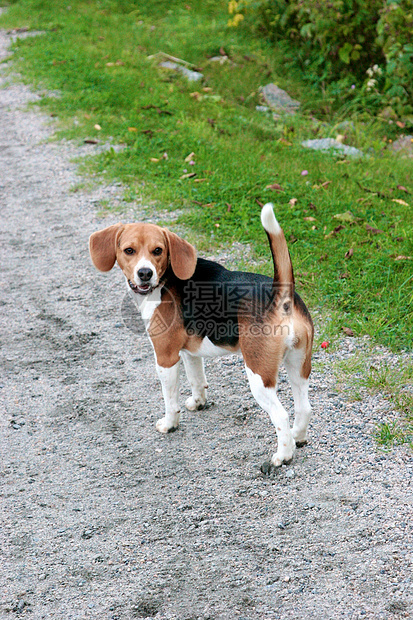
x,y
182,255
102,247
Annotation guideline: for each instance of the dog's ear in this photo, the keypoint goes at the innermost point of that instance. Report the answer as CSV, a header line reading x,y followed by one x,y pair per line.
x,y
182,255
102,247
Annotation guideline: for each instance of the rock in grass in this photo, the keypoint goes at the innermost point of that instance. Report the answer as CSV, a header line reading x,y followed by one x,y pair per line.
x,y
403,145
329,144
191,76
279,100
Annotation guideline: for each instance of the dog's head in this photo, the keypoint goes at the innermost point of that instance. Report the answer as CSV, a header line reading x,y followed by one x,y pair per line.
x,y
143,252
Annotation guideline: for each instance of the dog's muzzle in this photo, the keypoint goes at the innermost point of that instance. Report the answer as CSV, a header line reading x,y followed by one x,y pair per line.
x,y
141,289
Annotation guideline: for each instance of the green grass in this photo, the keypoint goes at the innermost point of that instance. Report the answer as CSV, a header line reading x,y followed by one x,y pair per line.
x,y
395,384
96,55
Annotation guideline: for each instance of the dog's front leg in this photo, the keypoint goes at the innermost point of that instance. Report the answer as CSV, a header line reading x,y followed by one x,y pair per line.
x,y
194,368
170,388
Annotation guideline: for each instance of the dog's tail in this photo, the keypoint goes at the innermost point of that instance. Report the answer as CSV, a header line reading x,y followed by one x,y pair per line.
x,y
283,269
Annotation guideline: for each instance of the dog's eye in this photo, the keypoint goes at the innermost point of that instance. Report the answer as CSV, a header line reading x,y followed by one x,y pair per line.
x,y
157,251
129,251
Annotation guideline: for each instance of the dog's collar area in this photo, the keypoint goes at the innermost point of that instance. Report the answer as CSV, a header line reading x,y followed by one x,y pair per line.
x,y
143,289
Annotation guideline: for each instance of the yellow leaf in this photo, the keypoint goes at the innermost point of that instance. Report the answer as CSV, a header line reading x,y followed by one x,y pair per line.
x,y
98,127
189,157
132,129
400,202
155,159
309,219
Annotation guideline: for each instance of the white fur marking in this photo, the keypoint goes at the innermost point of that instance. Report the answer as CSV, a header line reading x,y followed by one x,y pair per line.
x,y
169,378
267,399
142,264
293,362
146,304
269,221
194,368
209,349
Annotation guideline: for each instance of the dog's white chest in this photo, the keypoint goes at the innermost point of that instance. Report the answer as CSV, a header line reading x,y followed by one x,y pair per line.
x,y
147,304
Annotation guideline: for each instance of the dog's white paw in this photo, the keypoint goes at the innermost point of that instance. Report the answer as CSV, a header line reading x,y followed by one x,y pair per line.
x,y
283,455
165,426
195,404
299,437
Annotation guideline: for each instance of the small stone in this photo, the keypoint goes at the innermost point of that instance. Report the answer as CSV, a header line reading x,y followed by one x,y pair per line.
x,y
290,473
191,76
329,144
403,145
278,99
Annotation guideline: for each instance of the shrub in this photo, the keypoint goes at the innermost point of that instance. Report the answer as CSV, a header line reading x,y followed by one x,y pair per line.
x,y
369,42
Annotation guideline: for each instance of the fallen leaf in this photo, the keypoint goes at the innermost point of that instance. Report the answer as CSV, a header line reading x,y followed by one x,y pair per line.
x,y
259,203
403,189
344,275
229,207
154,159
98,127
400,124
349,253
132,129
195,95
348,331
199,180
400,202
222,51
403,258
293,202
207,89
275,186
309,219
373,231
189,175
110,64
189,157
325,184
340,138
347,217
334,232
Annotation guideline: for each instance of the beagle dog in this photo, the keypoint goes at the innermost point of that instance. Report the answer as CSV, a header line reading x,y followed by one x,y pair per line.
x,y
195,308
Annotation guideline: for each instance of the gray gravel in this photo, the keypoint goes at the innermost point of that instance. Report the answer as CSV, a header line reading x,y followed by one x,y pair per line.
x,y
102,516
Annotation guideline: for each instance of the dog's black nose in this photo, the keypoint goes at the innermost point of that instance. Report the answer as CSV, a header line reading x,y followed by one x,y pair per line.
x,y
145,274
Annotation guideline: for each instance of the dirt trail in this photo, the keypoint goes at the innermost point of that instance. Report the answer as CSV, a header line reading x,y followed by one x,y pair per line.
x,y
105,518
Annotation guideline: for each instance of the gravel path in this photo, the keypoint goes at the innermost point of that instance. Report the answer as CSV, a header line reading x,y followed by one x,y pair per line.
x,y
105,518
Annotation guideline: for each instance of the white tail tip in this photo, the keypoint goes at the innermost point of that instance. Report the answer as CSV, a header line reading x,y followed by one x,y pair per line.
x,y
268,220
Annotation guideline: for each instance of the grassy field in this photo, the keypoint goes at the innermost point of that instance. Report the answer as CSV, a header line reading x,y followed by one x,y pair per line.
x,y
355,268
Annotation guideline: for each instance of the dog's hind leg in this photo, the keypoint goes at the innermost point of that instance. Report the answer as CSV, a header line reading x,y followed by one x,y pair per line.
x,y
194,368
267,398
296,365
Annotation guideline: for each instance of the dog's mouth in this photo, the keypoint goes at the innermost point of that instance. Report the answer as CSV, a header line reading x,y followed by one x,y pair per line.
x,y
141,289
